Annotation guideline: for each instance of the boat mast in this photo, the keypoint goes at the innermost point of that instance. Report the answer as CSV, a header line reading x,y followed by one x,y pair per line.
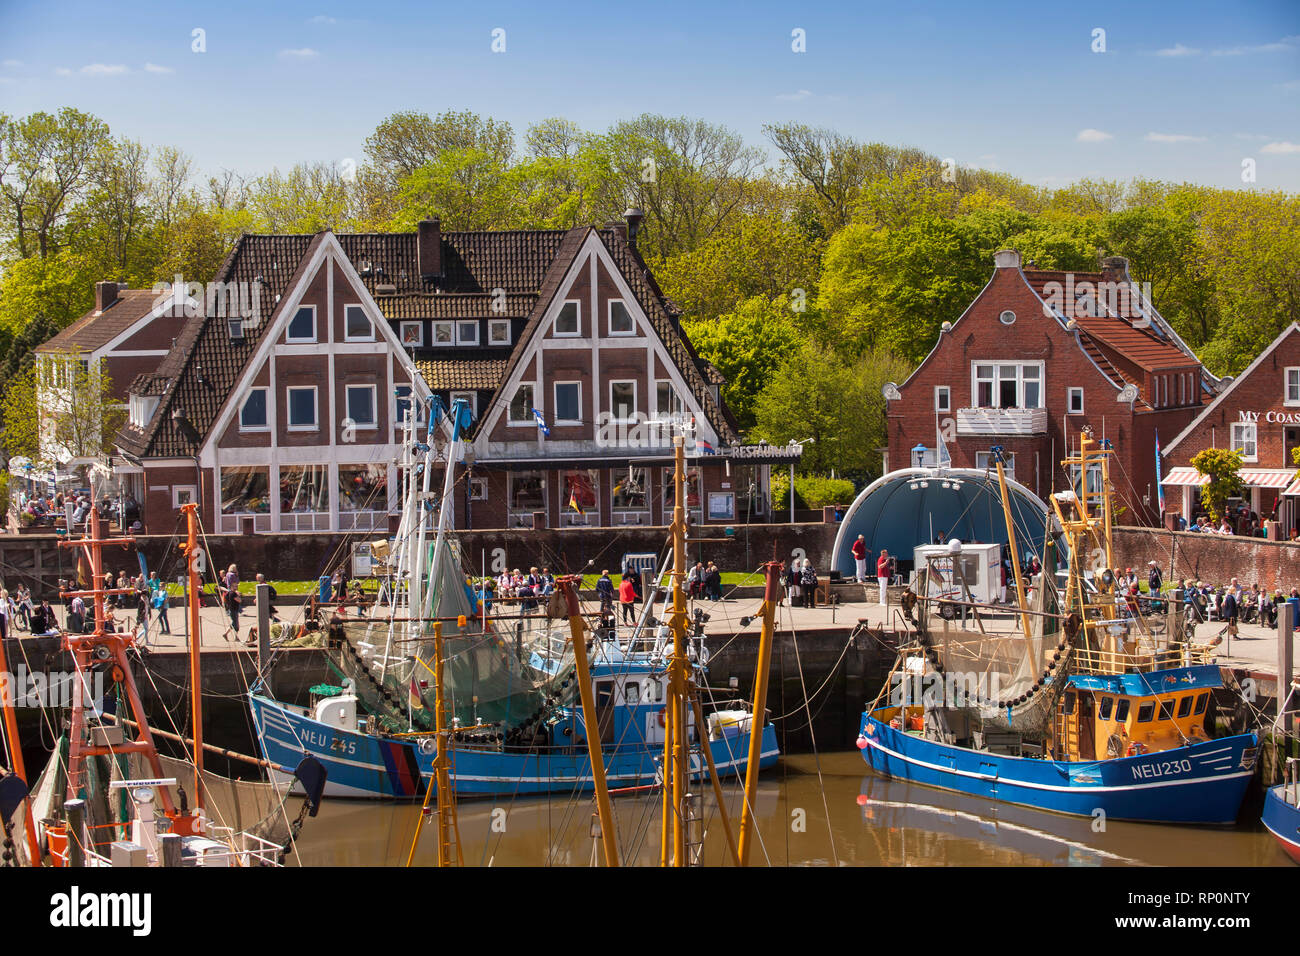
x,y
590,719
675,730
1011,540
771,596
8,704
448,827
195,562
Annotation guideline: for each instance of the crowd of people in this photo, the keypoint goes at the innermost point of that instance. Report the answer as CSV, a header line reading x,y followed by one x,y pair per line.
x,y
45,510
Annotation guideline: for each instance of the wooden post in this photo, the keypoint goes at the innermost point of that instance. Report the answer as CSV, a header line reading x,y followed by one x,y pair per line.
x,y
264,635
74,816
170,848
1285,663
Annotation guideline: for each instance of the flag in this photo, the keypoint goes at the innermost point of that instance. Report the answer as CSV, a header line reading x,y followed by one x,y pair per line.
x,y
704,447
416,695
541,423
573,501
1160,489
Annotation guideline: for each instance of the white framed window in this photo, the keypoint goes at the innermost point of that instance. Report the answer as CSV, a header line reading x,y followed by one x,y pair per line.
x,y
478,489
569,319
467,333
1292,396
361,408
1243,440
622,401
942,398
1007,385
301,406
1182,383
567,409
498,331
411,334
356,325
620,319
442,335
667,400
302,328
1074,401
521,406
984,461
253,413
1007,318
471,397
184,494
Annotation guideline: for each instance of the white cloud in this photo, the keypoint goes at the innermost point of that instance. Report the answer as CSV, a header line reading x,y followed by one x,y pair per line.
x,y
1250,136
323,20
62,71
789,97
1178,50
1092,136
302,54
1172,138
1290,86
12,64
1283,147
105,69
155,68
1283,45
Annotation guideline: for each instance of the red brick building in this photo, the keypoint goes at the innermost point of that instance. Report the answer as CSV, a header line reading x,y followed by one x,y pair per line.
x,y
1036,357
1258,412
572,358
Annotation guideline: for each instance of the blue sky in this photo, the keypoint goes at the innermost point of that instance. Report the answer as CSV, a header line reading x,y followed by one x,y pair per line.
x,y
1183,91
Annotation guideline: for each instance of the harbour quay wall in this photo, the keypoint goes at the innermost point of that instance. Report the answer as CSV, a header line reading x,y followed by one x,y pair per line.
x,y
38,562
1212,558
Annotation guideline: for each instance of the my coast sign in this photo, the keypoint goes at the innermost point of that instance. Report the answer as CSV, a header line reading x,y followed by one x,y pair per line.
x,y
1270,417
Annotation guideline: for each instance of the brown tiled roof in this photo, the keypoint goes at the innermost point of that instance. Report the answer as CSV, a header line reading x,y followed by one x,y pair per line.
x,y
527,265
147,383
478,374
96,329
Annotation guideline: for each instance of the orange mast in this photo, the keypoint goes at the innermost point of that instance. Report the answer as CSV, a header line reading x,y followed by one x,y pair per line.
x,y
195,561
15,750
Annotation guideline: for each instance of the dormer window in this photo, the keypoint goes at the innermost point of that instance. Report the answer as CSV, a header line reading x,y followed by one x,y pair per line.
x,y
236,326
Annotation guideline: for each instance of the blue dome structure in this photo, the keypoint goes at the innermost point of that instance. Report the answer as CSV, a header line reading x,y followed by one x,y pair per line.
x,y
912,506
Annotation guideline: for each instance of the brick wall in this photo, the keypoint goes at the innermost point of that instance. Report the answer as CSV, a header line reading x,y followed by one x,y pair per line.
x,y
1212,558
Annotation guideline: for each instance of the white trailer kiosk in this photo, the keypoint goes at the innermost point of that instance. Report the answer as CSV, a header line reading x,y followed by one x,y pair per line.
x,y
956,566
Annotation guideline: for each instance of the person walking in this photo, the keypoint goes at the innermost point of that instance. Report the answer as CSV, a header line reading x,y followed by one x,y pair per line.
x,y
627,598
158,600
231,597
713,582
882,576
859,550
808,581
605,590
1154,581
793,585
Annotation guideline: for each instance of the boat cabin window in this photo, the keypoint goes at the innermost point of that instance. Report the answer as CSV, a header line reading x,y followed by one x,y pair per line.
x,y
1201,701
1146,712
1103,708
1166,710
1185,706
1121,710
632,693
1069,704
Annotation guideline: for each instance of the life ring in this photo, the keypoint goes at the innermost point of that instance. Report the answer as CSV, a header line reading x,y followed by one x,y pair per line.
x,y
1134,749
663,717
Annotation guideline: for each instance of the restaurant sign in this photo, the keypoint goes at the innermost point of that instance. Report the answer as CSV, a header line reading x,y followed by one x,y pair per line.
x,y
1270,417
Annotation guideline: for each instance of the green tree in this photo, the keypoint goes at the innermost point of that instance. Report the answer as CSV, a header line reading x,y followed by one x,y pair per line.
x,y
1221,467
836,402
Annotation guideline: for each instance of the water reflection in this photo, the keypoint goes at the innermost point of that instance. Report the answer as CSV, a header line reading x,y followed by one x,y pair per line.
x,y
843,815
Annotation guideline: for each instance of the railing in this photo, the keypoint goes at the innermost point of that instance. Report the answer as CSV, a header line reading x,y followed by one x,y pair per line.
x,y
233,523
1001,421
633,516
305,521
363,521
1141,659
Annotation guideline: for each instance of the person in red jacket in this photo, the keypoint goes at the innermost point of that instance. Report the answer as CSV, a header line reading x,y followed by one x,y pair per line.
x,y
860,558
627,598
882,576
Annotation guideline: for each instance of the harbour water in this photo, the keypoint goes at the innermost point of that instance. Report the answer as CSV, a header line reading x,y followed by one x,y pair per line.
x,y
811,811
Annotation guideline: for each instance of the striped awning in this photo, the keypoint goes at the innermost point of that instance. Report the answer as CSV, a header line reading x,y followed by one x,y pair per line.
x,y
1250,477
1292,489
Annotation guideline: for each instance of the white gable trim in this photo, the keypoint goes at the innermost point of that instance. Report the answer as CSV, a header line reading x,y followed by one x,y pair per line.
x,y
329,250
1246,373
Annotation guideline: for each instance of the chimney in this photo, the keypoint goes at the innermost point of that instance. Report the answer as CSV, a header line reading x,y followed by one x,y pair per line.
x,y
1006,259
633,218
1114,269
105,295
429,248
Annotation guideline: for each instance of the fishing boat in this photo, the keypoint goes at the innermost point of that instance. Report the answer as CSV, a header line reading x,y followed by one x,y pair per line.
x,y
107,797
1087,709
1281,816
512,689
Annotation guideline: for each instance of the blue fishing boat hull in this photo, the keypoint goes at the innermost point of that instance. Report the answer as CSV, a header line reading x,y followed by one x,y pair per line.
x,y
1203,783
366,766
1282,819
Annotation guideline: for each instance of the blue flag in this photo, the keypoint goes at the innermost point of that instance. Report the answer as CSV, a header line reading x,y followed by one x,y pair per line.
x,y
1160,489
541,423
